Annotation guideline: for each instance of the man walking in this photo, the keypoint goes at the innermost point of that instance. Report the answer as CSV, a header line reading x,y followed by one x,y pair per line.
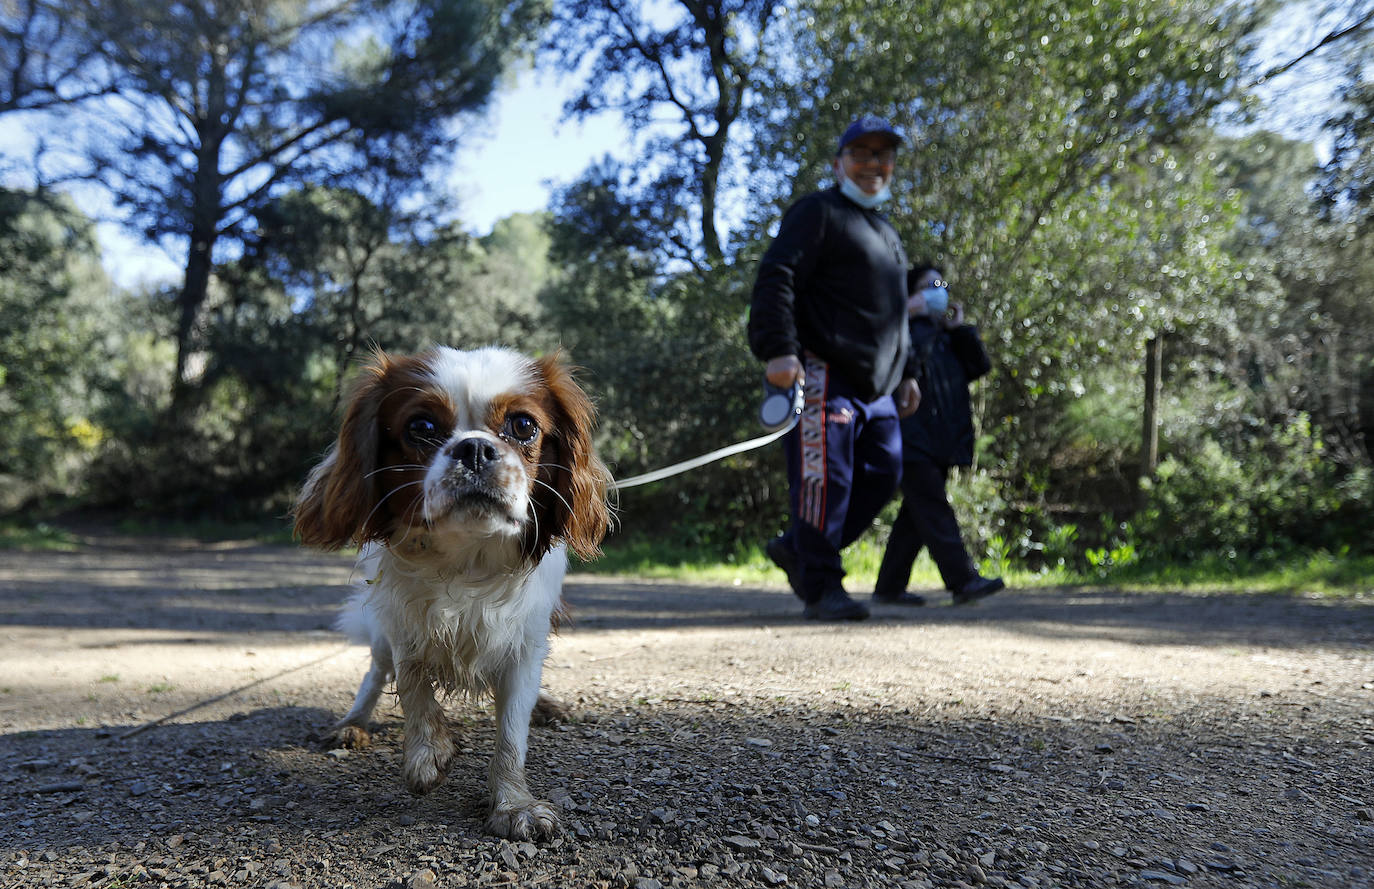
x,y
829,310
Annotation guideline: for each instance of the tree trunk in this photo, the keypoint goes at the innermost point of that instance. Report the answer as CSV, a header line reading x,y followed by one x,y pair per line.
x,y
194,289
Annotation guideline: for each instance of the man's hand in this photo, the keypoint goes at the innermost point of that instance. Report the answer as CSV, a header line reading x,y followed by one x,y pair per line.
x,y
783,371
908,397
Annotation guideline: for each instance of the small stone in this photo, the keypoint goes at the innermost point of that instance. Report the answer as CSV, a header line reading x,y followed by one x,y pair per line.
x,y
773,877
421,879
758,742
1160,876
647,883
742,843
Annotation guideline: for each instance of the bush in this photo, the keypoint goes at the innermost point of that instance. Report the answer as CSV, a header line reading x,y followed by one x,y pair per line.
x,y
1271,493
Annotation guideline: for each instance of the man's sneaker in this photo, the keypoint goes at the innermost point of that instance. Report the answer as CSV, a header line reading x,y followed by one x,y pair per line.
x,y
978,588
835,605
781,555
902,598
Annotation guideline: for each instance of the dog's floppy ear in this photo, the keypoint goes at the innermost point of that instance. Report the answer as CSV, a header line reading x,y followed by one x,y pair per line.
x,y
340,494
574,511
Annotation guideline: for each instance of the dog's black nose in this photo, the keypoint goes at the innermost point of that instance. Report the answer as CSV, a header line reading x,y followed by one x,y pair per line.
x,y
475,453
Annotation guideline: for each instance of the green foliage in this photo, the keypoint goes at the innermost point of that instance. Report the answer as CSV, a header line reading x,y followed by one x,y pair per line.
x,y
54,319
329,276
1271,492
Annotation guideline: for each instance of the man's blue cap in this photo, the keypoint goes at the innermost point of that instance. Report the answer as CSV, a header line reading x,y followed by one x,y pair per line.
x,y
867,125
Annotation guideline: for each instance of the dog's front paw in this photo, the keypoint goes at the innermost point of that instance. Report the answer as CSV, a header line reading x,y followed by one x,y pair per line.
x,y
537,820
353,737
426,765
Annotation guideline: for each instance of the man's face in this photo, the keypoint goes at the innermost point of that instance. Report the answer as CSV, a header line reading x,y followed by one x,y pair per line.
x,y
868,162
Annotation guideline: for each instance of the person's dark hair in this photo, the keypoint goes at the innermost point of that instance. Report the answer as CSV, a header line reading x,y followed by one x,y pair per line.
x,y
915,272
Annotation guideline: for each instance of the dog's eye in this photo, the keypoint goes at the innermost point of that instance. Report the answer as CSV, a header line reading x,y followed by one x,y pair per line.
x,y
422,431
522,428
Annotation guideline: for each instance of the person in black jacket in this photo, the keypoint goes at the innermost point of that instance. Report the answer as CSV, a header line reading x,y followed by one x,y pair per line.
x,y
939,435
829,311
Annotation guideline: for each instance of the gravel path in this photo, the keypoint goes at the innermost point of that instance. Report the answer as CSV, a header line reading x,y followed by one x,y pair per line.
x,y
158,701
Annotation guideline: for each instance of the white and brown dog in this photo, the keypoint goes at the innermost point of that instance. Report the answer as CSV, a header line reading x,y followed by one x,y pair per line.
x,y
464,477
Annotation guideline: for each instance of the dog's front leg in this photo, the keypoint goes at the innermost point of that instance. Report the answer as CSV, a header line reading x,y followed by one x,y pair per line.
x,y
515,813
428,746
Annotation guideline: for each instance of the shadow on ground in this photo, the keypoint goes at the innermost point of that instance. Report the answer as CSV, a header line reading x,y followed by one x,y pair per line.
x,y
667,789
240,587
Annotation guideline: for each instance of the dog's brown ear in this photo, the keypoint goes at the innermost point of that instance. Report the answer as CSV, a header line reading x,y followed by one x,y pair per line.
x,y
340,494
575,509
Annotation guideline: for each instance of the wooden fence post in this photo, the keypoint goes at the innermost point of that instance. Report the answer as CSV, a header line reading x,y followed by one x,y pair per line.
x,y
1149,443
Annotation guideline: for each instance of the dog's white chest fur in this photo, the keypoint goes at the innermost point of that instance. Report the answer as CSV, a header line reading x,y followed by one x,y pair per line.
x,y
466,627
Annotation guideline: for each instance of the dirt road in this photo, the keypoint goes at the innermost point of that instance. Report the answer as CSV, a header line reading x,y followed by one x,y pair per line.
x,y
158,701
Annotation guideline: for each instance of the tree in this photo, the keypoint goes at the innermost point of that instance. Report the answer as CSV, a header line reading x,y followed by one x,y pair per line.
x,y
683,75
222,106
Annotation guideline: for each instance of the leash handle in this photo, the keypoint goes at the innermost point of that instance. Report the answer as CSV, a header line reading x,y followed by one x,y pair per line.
x,y
780,407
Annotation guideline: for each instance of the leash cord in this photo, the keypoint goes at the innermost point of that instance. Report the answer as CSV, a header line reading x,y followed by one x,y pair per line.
x,y
685,465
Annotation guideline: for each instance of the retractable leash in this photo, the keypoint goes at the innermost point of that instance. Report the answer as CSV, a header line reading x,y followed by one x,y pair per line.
x,y
780,411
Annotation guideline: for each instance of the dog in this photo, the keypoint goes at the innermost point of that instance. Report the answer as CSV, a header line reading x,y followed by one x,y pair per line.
x,y
464,477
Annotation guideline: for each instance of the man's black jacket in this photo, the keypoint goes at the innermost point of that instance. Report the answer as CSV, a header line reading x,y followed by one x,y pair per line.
x,y
833,283
941,430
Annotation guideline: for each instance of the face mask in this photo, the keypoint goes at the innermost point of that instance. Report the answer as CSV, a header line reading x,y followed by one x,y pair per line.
x,y
861,197
937,301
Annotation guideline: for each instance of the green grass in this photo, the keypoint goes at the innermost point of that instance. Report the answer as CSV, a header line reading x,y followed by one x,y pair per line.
x,y
40,536
748,565
1320,573
1334,575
